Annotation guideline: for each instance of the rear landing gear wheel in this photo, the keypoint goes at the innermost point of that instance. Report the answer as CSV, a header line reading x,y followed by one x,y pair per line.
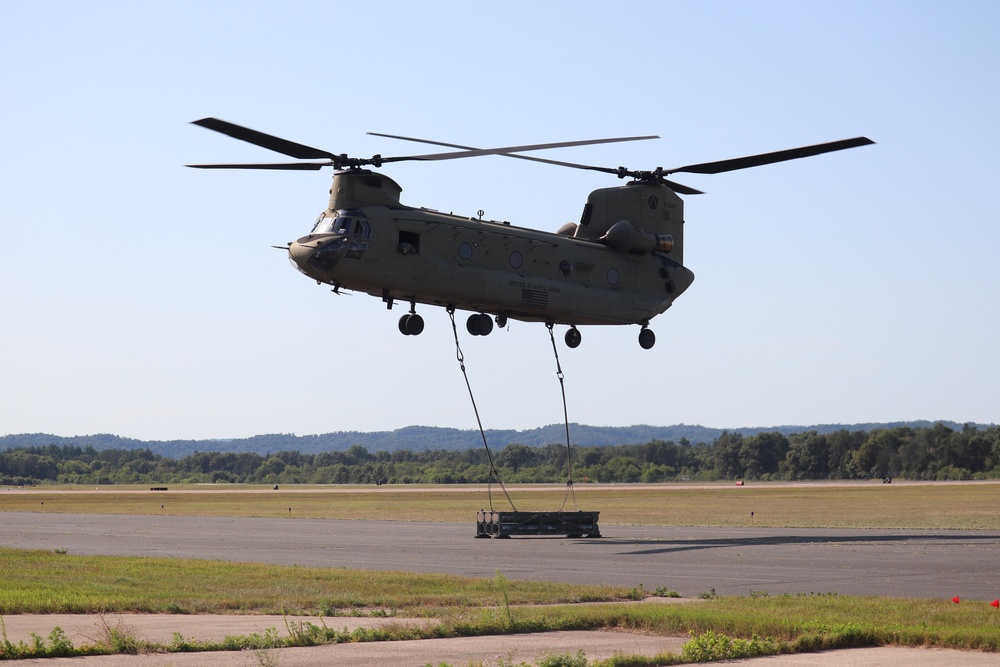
x,y
647,339
573,337
479,324
411,324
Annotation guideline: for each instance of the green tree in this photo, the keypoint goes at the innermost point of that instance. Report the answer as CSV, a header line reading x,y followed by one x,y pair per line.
x,y
727,450
808,456
879,454
514,457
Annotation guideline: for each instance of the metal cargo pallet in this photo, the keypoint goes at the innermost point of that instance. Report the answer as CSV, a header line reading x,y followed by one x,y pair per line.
x,y
506,524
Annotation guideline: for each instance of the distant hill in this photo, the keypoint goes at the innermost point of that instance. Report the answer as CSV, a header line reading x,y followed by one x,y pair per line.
x,y
422,438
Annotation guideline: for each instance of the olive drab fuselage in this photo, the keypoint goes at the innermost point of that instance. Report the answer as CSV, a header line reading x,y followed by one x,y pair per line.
x,y
621,264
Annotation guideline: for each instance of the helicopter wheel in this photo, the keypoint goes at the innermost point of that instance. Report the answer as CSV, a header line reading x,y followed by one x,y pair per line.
x,y
411,324
479,324
501,320
573,337
647,339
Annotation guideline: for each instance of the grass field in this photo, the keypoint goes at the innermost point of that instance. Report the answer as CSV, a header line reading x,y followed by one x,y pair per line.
x,y
720,628
48,583
38,581
960,505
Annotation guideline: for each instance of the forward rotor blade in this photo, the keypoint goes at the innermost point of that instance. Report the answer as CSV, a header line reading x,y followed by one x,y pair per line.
x,y
680,188
270,142
289,166
770,158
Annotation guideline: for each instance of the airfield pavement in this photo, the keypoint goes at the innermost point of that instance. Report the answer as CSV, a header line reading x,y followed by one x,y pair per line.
x,y
733,561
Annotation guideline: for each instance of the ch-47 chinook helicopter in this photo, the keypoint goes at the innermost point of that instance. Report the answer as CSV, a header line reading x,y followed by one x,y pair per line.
x,y
623,263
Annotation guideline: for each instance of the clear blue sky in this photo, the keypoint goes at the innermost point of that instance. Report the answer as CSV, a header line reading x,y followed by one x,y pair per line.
x,y
143,299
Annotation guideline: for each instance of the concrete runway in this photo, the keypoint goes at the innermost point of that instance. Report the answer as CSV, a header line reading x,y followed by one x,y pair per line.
x,y
733,561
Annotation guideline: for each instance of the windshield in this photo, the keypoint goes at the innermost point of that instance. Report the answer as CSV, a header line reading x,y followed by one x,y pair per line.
x,y
342,222
324,224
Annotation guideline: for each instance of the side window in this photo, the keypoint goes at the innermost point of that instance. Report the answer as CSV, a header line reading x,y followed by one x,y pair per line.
x,y
409,243
355,225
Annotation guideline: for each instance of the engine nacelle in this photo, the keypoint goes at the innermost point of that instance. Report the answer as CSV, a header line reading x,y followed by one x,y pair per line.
x,y
624,236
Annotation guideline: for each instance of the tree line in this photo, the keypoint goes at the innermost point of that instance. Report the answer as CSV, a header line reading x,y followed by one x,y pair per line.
x,y
937,452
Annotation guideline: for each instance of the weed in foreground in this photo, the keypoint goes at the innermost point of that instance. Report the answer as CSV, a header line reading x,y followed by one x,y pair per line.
x,y
115,637
710,646
58,646
664,592
266,657
577,659
659,660
500,582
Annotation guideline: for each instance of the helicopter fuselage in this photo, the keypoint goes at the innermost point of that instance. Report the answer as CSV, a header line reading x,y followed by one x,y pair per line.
x,y
623,263
605,270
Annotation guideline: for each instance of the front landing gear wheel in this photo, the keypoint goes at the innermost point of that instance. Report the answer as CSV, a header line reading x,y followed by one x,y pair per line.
x,y
647,339
573,337
411,324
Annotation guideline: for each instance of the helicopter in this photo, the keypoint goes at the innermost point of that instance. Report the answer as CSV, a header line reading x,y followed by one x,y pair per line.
x,y
622,263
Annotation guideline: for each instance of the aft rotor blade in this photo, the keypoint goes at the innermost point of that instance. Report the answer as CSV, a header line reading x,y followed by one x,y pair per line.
x,y
270,142
770,158
290,166
507,150
676,187
423,141
514,155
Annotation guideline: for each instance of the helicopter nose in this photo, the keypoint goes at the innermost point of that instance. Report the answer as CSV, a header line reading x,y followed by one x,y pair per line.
x,y
317,256
300,252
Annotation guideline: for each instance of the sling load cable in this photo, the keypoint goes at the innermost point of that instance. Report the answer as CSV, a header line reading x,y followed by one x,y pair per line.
x,y
569,464
489,455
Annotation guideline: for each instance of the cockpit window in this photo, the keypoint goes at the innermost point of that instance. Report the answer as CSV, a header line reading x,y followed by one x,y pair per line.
x,y
322,222
346,221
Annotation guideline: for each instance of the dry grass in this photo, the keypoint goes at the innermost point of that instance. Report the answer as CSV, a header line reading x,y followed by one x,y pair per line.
x,y
962,505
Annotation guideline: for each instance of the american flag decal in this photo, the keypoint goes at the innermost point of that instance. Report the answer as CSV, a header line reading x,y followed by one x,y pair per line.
x,y
534,298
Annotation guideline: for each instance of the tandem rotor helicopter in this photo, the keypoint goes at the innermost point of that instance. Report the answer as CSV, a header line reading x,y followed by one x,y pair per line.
x,y
623,263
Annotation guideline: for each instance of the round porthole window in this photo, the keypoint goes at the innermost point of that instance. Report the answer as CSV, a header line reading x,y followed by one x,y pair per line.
x,y
516,260
613,276
465,250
